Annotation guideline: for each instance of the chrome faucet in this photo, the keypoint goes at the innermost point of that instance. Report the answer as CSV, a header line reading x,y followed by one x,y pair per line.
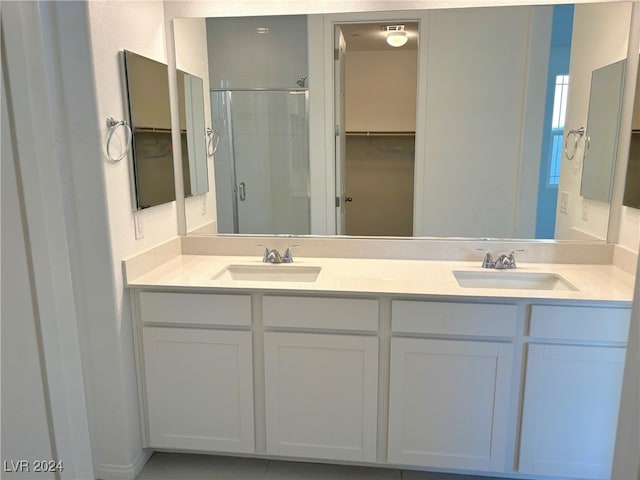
x,y
271,255
503,262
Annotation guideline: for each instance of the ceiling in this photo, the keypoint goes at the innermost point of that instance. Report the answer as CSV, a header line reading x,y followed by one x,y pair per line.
x,y
371,36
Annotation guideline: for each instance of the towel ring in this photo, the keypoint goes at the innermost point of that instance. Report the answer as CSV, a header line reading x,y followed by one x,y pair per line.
x,y
577,135
212,145
113,125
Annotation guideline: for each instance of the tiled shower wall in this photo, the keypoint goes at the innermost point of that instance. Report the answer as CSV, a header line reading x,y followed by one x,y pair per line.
x,y
267,133
257,51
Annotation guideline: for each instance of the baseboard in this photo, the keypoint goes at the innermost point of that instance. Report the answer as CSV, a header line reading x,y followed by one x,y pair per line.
x,y
124,472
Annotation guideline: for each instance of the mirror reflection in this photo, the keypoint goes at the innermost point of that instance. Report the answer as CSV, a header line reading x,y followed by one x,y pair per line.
x,y
150,119
192,133
605,102
148,95
380,97
488,139
258,75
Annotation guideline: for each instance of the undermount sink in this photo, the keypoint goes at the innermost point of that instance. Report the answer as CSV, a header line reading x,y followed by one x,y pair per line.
x,y
269,273
511,279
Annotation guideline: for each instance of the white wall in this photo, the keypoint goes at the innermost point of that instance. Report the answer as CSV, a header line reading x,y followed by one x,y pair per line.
x,y
476,120
25,424
380,90
137,26
191,56
600,37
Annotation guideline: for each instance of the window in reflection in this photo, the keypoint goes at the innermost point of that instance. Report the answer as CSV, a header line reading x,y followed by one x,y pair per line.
x,y
557,127
553,129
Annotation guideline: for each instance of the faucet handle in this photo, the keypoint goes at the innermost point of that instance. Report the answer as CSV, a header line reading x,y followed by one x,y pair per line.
x,y
487,262
287,258
266,253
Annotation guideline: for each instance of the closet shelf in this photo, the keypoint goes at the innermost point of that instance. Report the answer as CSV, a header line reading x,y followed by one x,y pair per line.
x,y
380,134
151,130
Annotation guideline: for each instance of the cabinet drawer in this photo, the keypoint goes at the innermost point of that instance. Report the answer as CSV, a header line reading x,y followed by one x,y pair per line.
x,y
580,323
454,318
329,313
195,308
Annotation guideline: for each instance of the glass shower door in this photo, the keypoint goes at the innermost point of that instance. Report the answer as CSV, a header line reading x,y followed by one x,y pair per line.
x,y
262,163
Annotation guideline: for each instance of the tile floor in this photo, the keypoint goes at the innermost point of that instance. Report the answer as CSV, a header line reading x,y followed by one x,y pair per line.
x,y
180,466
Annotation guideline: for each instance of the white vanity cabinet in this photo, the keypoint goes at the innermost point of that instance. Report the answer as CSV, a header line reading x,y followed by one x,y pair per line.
x,y
450,397
492,385
197,369
573,381
321,383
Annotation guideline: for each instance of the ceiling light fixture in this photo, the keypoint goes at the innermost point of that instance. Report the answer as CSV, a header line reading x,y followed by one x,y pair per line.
x,y
396,36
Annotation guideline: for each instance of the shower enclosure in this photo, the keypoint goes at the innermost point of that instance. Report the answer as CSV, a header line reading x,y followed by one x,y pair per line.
x,y
262,161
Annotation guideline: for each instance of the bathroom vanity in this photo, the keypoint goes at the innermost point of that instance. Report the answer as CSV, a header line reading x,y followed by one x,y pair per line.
x,y
382,362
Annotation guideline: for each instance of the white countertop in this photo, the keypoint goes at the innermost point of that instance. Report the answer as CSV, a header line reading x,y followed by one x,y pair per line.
x,y
377,276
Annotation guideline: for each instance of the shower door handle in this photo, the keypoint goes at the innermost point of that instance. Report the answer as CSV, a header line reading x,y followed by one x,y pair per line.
x,y
242,191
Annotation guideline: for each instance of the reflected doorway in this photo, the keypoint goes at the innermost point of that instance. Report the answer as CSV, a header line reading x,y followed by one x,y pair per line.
x,y
375,151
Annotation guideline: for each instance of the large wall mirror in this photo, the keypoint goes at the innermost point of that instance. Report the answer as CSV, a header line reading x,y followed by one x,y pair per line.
x,y
458,133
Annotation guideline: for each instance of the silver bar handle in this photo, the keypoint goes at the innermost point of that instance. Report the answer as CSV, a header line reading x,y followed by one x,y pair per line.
x,y
242,191
213,139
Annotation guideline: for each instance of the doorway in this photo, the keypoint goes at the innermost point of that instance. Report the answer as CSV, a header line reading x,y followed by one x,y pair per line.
x,y
375,151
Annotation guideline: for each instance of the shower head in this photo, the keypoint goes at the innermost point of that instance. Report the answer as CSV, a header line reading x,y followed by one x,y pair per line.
x,y
302,81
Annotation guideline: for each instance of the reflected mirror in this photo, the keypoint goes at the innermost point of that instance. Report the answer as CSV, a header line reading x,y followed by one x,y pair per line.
x,y
605,102
148,98
487,141
150,120
192,133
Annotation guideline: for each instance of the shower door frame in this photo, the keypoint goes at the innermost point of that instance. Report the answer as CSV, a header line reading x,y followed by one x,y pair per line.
x,y
228,93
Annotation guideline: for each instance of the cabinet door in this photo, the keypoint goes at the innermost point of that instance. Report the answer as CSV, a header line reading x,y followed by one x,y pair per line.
x,y
449,403
321,395
571,401
199,389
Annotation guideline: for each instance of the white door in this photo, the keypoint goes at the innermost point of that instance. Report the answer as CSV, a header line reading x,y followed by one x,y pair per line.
x,y
449,403
321,395
340,47
199,389
571,401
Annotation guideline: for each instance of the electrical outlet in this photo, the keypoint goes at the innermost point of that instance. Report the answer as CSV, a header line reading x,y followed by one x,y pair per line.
x,y
203,205
139,222
564,202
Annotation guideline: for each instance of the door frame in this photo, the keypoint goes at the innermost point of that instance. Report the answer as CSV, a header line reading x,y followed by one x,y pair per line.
x,y
323,173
